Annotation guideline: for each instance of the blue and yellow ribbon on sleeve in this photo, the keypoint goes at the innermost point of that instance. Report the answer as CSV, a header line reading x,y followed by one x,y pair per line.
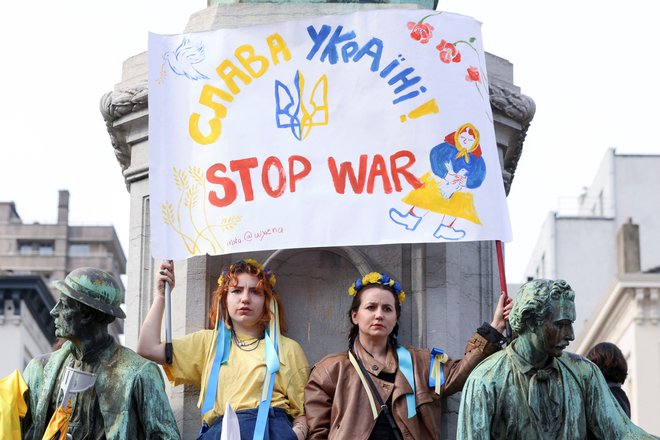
x,y
436,370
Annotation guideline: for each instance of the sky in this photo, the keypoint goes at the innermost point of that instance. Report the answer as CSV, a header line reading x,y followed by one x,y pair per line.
x,y
588,65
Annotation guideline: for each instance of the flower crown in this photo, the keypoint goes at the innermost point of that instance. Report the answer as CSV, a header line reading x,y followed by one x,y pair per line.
x,y
268,274
377,278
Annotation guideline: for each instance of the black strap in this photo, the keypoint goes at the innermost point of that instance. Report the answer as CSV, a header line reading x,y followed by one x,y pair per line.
x,y
383,406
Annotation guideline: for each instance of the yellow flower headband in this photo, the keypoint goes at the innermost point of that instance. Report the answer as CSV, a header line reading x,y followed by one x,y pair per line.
x,y
377,278
268,274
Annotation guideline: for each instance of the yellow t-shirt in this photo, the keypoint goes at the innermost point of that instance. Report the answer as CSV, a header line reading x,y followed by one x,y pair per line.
x,y
12,405
241,378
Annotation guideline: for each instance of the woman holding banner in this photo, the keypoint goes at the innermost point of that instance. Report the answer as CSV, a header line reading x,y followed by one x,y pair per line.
x,y
243,362
401,386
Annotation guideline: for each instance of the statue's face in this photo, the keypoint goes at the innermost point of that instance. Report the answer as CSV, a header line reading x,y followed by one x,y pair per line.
x,y
557,332
68,318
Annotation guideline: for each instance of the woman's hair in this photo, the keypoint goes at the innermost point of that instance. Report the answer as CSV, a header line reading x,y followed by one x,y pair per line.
x,y
610,360
355,305
265,285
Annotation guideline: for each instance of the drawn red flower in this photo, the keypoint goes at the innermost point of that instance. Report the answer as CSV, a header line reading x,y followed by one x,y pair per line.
x,y
448,52
473,74
421,32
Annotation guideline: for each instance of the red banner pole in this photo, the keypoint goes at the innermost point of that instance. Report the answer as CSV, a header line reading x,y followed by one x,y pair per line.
x,y
500,266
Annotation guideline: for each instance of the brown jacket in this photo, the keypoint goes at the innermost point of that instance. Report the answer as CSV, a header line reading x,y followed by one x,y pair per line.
x,y
343,412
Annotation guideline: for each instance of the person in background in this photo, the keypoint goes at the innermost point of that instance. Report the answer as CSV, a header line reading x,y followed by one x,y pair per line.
x,y
614,367
379,389
242,361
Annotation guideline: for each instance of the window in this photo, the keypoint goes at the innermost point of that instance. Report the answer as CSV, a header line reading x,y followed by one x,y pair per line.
x,y
79,250
25,248
46,249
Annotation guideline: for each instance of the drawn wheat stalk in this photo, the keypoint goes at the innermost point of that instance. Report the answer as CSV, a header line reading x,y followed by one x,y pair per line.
x,y
196,174
190,184
190,201
167,211
182,184
226,224
229,223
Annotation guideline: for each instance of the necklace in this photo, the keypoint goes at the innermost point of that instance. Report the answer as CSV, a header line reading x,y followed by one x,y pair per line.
x,y
245,345
382,362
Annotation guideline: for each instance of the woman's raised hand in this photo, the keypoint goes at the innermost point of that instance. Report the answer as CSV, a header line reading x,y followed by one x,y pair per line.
x,y
501,315
165,275
149,343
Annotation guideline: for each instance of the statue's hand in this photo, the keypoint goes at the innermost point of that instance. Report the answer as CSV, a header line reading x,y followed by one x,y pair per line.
x,y
165,275
501,315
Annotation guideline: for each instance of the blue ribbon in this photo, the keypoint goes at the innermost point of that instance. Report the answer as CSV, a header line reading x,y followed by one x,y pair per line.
x,y
272,367
435,352
406,367
222,347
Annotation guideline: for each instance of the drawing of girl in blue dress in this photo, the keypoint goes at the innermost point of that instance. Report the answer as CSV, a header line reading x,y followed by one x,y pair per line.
x,y
457,168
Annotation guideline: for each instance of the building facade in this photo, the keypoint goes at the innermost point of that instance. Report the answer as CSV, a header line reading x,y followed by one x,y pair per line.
x,y
581,248
628,315
26,327
451,288
609,252
31,256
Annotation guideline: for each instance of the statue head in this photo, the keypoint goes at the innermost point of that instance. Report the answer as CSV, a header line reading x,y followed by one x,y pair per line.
x,y
544,312
90,300
94,288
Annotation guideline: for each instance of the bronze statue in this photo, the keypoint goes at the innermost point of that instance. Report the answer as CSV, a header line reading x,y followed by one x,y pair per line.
x,y
533,389
127,399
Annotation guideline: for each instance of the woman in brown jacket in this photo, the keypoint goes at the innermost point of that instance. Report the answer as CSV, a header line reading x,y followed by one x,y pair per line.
x,y
379,389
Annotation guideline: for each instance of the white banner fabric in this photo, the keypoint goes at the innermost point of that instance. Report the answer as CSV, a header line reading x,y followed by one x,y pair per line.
x,y
359,129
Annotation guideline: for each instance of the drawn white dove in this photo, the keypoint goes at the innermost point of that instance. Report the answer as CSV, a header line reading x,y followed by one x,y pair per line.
x,y
183,59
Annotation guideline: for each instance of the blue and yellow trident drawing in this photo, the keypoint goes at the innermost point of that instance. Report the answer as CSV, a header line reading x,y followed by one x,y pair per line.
x,y
291,112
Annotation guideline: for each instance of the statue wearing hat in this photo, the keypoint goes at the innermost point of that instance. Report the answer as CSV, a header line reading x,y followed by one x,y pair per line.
x,y
126,396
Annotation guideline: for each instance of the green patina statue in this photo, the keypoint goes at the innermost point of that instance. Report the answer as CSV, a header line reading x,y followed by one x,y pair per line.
x,y
532,389
127,400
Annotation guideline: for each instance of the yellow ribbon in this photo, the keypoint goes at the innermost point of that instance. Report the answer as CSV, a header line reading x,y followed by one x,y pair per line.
x,y
437,361
374,408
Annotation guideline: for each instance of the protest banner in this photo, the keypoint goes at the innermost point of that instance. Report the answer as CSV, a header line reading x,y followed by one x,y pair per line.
x,y
359,129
